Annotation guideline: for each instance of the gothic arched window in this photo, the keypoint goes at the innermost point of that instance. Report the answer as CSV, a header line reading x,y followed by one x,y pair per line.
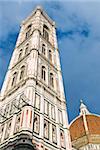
x,y
26,48
43,73
50,56
43,49
46,32
22,73
28,31
14,79
51,80
36,125
20,54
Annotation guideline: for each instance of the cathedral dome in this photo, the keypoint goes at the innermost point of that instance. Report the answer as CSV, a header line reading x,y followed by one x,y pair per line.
x,y
85,128
77,127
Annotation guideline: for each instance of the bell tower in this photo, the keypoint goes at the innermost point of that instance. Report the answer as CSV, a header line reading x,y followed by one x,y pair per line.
x,y
32,101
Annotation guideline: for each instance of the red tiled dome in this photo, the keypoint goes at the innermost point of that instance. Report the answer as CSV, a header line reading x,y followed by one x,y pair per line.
x,y
77,128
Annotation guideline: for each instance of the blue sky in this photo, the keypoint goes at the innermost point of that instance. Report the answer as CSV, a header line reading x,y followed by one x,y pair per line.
x,y
78,31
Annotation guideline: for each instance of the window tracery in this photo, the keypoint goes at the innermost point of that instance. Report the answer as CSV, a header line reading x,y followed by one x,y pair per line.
x,y
46,32
26,48
50,56
13,83
20,54
28,31
43,73
51,80
22,73
43,49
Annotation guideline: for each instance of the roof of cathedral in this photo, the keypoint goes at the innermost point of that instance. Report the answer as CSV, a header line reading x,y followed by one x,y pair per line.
x,y
85,124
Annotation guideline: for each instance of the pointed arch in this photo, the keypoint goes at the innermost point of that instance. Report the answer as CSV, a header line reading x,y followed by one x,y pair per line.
x,y
20,54
14,78
51,79
28,31
50,55
46,32
22,72
43,73
43,49
26,48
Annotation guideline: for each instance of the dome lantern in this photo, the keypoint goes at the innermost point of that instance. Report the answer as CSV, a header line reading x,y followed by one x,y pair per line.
x,y
83,108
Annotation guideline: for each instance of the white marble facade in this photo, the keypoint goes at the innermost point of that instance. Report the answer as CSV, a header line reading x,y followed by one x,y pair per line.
x,y
32,96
